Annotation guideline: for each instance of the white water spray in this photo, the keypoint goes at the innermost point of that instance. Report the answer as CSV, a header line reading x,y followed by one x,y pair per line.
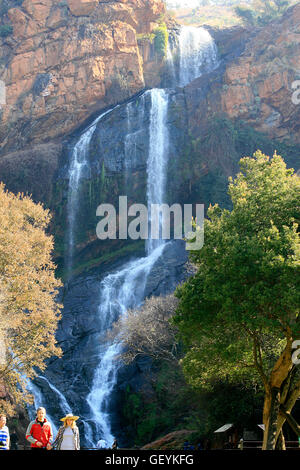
x,y
125,289
197,53
78,166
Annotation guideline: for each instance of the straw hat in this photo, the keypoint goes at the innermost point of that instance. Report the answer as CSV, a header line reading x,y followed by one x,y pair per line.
x,y
70,416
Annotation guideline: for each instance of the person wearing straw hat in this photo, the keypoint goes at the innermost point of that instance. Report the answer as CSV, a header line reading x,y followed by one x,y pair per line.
x,y
68,434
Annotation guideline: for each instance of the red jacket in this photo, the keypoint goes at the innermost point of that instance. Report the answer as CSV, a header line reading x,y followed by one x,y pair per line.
x,y
37,432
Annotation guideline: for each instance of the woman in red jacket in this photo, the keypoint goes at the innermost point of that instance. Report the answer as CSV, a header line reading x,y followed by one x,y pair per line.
x,y
39,431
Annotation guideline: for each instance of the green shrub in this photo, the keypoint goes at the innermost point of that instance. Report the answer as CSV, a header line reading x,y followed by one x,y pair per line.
x,y
147,37
161,40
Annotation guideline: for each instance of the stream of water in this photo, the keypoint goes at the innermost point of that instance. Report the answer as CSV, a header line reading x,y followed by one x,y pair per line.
x,y
125,288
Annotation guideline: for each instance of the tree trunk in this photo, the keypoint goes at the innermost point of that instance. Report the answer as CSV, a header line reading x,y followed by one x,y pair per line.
x,y
289,394
280,443
292,422
279,382
271,412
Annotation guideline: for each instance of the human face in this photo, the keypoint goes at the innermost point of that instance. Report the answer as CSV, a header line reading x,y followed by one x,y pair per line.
x,y
69,422
41,415
2,421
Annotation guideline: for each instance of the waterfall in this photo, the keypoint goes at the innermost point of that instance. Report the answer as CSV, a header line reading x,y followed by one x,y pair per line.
x,y
64,405
39,401
125,289
79,167
171,67
158,157
197,54
132,135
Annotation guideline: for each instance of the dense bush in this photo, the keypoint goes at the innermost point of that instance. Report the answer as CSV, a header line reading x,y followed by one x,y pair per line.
x,y
173,405
161,40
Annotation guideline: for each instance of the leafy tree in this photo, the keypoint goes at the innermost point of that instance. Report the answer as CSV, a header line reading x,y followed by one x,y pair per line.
x,y
238,315
28,287
246,15
161,40
166,402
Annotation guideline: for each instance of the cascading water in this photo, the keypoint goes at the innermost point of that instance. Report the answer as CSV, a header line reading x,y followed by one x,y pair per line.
x,y
132,136
197,54
64,405
77,169
157,159
125,288
171,67
39,401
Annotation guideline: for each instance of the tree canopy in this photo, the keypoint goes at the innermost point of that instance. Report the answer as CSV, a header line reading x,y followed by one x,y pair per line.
x,y
239,314
28,288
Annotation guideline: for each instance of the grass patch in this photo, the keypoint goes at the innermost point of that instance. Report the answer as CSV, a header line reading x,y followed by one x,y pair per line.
x,y
111,256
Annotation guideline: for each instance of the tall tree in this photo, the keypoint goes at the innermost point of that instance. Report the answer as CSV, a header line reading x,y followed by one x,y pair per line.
x,y
28,288
239,314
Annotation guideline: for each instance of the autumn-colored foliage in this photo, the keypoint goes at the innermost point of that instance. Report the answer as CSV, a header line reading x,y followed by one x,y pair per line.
x,y
29,311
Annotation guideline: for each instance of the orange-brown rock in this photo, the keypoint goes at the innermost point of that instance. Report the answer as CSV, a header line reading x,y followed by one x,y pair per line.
x,y
65,61
258,87
81,7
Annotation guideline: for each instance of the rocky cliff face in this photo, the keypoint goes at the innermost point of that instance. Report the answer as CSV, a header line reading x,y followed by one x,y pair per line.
x,y
79,336
256,86
66,60
205,117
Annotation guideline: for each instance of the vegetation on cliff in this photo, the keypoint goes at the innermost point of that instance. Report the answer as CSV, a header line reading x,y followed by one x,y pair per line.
x,y
237,319
227,13
161,39
238,314
209,159
166,402
262,12
28,288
